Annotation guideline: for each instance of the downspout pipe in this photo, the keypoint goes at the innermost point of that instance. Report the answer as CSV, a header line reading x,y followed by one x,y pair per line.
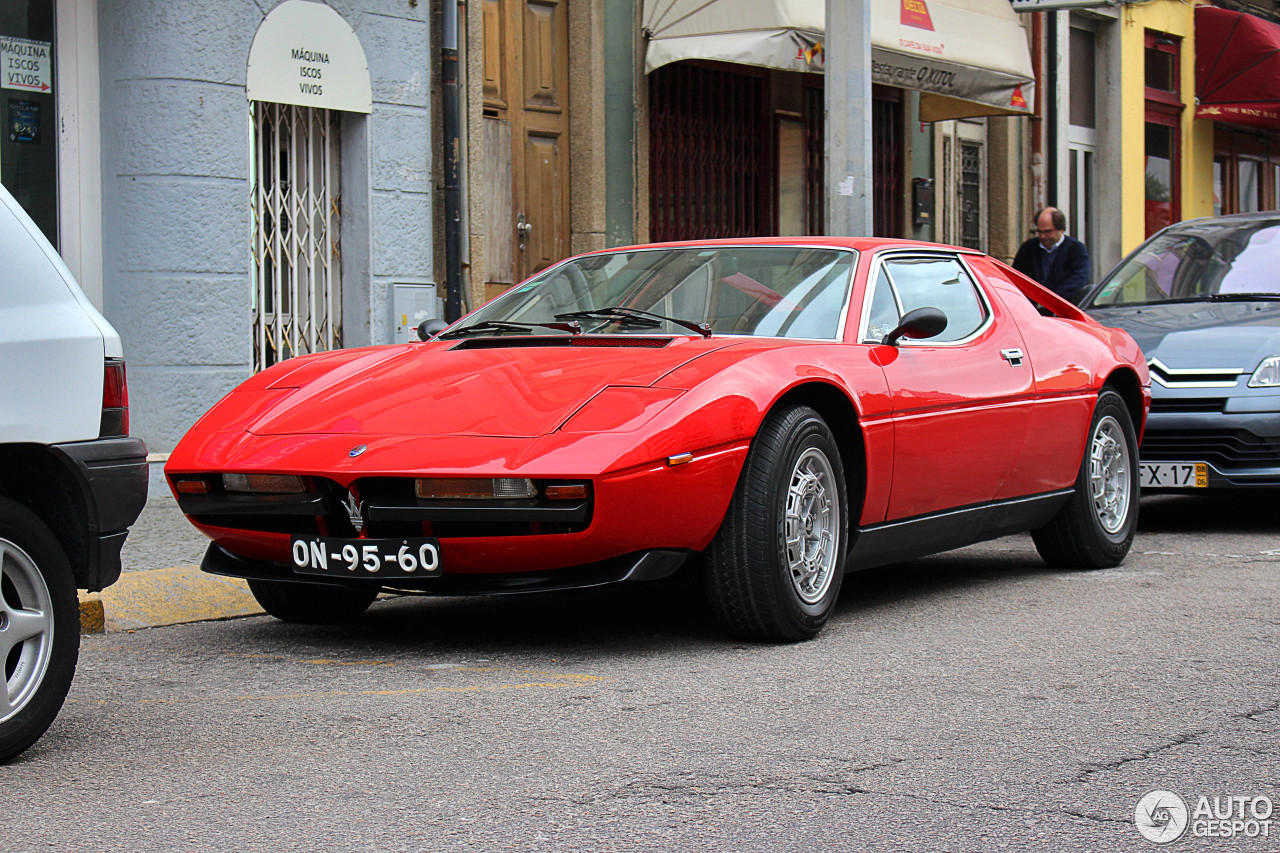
x,y
452,122
1052,116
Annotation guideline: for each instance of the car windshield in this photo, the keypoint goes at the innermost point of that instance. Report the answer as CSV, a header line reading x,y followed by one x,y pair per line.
x,y
1199,260
777,291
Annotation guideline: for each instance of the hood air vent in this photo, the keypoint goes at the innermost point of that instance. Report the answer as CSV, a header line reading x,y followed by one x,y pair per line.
x,y
575,341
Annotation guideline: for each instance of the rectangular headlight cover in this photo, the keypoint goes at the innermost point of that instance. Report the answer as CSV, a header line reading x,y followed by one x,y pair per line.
x,y
264,484
472,488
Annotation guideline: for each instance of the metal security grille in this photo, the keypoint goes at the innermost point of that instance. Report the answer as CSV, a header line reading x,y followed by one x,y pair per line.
x,y
887,166
711,169
297,298
815,160
970,195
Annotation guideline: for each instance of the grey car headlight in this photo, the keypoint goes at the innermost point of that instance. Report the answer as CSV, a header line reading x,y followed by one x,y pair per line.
x,y
1268,373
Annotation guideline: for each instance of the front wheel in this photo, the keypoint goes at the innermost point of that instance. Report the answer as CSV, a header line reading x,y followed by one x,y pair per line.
x,y
39,628
1095,529
312,603
775,567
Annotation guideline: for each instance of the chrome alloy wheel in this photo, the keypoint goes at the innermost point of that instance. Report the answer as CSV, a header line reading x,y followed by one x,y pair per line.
x,y
26,628
1110,481
812,525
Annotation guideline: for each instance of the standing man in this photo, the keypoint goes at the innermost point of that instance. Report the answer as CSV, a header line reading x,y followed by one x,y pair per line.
x,y
1059,262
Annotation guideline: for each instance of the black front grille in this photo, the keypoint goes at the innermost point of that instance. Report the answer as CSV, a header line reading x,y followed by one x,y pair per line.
x,y
391,509
1187,404
387,508
1224,449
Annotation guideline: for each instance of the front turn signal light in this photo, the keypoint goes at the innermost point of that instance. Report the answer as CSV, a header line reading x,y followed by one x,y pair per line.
x,y
569,492
191,485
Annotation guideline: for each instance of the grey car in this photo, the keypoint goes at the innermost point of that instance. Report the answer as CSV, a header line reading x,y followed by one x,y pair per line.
x,y
1202,299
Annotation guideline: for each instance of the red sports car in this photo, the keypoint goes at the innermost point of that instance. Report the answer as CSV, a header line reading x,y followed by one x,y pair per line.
x,y
772,412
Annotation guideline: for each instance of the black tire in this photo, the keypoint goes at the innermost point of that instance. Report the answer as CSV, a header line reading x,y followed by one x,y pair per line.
x,y
749,578
312,603
39,594
1086,534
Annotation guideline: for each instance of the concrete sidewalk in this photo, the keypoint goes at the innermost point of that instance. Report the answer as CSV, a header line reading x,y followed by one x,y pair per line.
x,y
162,583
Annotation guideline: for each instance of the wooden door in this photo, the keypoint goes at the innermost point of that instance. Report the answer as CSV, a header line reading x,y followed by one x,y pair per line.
x,y
526,82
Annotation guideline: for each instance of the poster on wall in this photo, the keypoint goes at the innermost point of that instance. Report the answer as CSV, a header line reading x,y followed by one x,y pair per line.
x,y
24,121
25,64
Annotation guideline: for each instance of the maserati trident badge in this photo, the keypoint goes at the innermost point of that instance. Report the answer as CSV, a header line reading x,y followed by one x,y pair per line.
x,y
357,450
352,507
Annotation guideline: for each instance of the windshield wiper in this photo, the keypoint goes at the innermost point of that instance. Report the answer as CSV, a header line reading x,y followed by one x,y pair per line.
x,y
1243,297
636,317
1200,297
507,326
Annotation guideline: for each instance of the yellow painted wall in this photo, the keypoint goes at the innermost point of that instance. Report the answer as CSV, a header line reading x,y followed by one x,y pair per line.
x,y
1176,19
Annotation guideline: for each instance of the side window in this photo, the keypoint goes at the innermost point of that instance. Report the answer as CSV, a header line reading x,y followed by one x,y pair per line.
x,y
884,315
937,282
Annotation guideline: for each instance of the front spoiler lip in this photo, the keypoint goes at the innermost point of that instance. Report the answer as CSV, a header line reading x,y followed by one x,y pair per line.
x,y
653,564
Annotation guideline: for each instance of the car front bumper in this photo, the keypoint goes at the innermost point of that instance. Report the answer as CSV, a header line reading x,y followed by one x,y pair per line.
x,y
1241,450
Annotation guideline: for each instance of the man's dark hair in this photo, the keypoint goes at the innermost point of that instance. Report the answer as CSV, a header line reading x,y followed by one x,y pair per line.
x,y
1059,218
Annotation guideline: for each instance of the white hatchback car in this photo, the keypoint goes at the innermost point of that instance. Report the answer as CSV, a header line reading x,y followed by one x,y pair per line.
x,y
71,478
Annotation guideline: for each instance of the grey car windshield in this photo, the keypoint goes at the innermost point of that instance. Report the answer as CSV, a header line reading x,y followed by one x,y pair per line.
x,y
776,291
1198,260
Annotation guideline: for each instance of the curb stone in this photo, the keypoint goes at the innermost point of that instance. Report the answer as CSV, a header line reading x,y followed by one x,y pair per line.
x,y
148,599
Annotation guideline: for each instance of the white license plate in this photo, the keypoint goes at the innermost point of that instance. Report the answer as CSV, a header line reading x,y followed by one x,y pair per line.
x,y
1174,475
365,558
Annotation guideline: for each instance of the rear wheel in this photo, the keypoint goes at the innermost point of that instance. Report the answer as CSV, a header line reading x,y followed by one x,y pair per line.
x,y
39,628
310,603
775,567
1095,529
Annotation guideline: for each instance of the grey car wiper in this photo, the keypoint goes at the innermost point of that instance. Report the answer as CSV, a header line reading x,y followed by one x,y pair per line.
x,y
1244,297
635,317
507,326
1201,297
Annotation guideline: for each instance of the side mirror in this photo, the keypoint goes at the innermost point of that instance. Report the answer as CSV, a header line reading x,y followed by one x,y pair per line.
x,y
428,329
920,323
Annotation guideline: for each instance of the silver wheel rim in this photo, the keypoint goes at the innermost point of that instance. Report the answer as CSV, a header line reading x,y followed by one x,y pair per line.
x,y
812,525
1109,474
26,628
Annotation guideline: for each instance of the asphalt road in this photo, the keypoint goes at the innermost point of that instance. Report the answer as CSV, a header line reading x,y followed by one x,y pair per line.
x,y
973,701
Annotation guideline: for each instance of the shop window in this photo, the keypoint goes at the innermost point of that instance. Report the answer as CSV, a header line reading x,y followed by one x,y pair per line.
x,y
1162,132
1219,184
791,176
1161,172
29,144
1162,66
1246,170
1249,186
1083,64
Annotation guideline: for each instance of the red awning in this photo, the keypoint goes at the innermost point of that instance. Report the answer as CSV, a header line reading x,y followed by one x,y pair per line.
x,y
1237,68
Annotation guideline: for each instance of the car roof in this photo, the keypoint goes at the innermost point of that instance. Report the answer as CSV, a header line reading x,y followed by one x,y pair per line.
x,y
860,244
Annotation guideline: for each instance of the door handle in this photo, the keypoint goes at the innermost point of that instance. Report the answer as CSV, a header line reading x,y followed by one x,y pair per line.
x,y
1013,355
523,229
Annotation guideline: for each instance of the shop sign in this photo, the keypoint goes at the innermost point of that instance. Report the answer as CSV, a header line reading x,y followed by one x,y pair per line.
x,y
26,65
305,54
1052,5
